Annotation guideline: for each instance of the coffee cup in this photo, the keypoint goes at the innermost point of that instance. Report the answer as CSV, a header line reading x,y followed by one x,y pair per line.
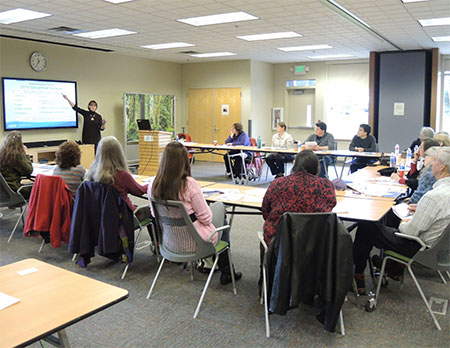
x,y
215,142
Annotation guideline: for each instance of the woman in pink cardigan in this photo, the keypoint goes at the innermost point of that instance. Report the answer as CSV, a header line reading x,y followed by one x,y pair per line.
x,y
174,182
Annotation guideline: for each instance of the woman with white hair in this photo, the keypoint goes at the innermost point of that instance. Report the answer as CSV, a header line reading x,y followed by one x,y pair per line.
x,y
425,133
110,167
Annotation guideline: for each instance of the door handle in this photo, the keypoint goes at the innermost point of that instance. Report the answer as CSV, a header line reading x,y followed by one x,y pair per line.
x,y
216,129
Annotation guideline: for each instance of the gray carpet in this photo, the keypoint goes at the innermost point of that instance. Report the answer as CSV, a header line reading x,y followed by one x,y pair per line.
x,y
227,320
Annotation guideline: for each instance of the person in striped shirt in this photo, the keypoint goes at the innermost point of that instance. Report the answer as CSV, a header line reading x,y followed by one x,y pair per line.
x,y
68,165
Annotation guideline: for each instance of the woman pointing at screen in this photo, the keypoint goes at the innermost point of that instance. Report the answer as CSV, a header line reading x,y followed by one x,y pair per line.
x,y
93,122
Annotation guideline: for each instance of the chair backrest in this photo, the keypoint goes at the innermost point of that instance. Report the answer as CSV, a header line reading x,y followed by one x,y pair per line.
x,y
438,256
179,239
9,198
335,145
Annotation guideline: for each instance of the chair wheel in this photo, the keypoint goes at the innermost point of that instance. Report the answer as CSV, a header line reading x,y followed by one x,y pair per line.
x,y
371,305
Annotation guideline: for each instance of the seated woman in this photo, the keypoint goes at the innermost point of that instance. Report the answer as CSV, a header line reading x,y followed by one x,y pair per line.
x,y
110,167
302,191
411,180
236,138
174,182
15,163
276,161
68,166
442,138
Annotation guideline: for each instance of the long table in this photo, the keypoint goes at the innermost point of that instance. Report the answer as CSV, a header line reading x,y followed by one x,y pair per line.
x,y
214,149
51,299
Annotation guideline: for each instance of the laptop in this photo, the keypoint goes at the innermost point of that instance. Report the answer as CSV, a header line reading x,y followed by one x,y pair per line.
x,y
144,124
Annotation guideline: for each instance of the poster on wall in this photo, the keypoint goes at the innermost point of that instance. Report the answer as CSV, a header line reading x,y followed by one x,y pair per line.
x,y
225,109
158,109
277,116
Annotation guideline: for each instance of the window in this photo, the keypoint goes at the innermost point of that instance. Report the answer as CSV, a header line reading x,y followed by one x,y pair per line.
x,y
347,98
446,103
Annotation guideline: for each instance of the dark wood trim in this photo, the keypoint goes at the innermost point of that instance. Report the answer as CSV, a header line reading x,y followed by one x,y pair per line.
x,y
373,92
434,86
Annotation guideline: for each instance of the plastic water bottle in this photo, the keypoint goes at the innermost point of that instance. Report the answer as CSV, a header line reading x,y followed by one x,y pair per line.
x,y
408,160
397,154
258,142
393,160
177,138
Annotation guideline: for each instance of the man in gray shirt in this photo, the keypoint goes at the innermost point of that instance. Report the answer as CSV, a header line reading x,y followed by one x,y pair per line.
x,y
362,142
324,141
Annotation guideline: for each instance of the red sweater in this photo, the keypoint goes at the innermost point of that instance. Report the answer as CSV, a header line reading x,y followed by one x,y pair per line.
x,y
298,193
50,209
125,184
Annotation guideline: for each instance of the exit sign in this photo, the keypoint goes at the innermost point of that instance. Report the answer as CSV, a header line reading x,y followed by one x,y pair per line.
x,y
300,69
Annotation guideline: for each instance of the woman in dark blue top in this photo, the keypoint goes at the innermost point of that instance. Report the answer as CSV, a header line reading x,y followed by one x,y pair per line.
x,y
236,138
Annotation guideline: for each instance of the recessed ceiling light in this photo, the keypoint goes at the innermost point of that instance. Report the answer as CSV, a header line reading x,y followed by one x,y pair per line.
x,y
408,1
218,19
331,56
441,38
99,34
215,54
20,15
304,48
117,1
269,36
168,45
434,21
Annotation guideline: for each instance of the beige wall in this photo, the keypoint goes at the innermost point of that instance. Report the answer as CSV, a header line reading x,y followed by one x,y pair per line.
x,y
319,72
261,100
217,75
101,76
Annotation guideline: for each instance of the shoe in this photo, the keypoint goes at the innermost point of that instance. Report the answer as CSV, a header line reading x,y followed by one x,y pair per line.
x,y
229,175
394,270
360,283
225,277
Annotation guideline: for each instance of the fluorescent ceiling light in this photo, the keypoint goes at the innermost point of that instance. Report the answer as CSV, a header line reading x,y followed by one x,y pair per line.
x,y
215,54
408,1
117,1
269,36
441,38
342,8
99,34
20,15
218,19
434,21
168,45
330,56
304,48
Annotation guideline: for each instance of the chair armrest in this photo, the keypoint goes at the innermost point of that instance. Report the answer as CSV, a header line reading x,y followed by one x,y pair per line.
x,y
261,240
417,239
23,186
217,230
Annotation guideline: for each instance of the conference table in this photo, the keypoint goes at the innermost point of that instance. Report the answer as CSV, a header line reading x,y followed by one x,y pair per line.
x,y
351,205
50,300
218,150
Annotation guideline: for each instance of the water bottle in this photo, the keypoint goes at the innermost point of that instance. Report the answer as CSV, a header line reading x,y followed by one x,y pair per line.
x,y
258,142
393,160
397,154
408,160
177,138
416,148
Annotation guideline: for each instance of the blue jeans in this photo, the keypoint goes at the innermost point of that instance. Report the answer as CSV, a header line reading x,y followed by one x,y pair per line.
x,y
328,160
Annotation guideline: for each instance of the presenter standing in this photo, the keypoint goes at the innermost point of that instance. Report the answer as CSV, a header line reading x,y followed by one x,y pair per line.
x,y
93,122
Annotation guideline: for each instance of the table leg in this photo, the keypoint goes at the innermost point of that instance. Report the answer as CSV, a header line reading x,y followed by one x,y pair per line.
x,y
60,341
343,166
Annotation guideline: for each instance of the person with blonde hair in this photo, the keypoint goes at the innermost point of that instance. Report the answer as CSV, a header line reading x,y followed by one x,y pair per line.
x,y
68,167
15,163
110,167
442,138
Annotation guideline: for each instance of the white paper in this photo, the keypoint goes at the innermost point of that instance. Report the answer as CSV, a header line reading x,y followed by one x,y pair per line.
x,y
401,210
252,199
27,271
231,197
260,192
399,109
6,300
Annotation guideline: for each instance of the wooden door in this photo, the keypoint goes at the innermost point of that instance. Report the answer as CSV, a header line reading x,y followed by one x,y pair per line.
x,y
200,118
207,119
230,100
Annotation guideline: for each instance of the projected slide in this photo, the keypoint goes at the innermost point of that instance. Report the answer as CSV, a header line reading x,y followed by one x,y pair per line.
x,y
35,104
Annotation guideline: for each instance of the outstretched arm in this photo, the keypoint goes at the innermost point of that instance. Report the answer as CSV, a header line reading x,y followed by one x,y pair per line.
x,y
68,100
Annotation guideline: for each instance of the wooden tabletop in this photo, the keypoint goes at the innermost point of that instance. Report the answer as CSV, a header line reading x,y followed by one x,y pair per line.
x,y
348,207
50,300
